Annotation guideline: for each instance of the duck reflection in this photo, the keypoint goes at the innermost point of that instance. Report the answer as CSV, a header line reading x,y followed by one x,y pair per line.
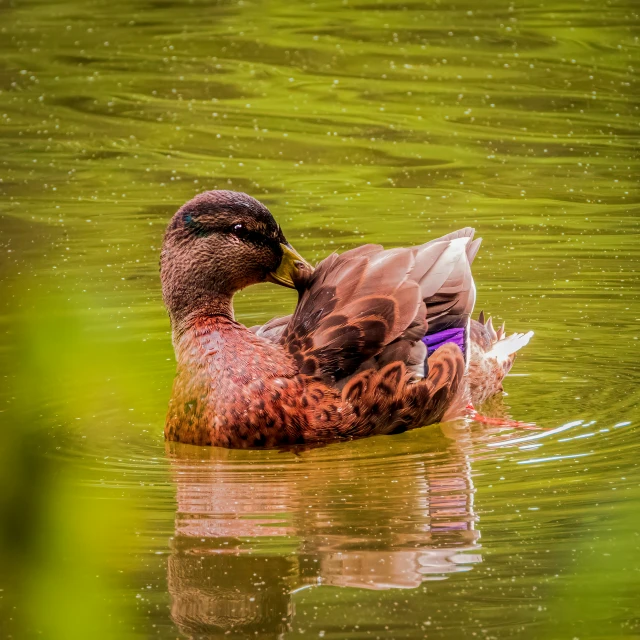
x,y
251,528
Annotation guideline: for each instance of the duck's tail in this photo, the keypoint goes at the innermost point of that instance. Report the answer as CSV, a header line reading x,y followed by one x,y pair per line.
x,y
492,356
506,347
501,346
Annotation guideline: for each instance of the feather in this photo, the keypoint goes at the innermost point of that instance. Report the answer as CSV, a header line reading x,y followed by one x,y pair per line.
x,y
472,249
505,348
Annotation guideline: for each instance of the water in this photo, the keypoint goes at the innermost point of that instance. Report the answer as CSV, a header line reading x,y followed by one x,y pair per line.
x,y
353,121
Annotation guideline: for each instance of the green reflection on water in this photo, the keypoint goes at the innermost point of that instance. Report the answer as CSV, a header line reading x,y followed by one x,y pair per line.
x,y
355,122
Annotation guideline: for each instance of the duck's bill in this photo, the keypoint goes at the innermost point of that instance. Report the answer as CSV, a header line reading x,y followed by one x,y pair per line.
x,y
291,266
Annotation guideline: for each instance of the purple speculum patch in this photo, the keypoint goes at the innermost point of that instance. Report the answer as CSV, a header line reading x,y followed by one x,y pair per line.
x,y
436,340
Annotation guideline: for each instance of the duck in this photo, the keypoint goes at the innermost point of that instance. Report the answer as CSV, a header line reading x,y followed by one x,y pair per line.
x,y
381,340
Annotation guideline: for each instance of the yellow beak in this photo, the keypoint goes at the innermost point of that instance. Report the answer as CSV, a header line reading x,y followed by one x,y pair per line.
x,y
291,265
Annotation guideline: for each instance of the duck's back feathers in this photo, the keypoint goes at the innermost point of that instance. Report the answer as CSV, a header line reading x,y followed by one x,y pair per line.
x,y
354,305
370,303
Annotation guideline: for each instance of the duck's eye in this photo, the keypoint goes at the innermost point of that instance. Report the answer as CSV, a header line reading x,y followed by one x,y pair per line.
x,y
248,235
240,231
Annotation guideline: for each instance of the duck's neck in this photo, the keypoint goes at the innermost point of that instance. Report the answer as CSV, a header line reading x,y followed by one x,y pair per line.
x,y
187,317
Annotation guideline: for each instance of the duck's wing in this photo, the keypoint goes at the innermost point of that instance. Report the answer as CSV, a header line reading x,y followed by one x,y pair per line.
x,y
452,304
369,303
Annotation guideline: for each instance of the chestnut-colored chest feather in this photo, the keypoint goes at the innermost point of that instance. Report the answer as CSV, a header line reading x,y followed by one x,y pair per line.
x,y
226,378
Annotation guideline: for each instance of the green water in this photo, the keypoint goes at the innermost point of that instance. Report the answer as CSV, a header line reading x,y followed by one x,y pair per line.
x,y
353,121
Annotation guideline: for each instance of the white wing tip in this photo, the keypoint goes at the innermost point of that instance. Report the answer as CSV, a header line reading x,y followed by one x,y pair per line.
x,y
460,242
508,346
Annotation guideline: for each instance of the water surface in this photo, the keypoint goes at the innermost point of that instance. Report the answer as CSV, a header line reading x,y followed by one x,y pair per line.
x,y
355,121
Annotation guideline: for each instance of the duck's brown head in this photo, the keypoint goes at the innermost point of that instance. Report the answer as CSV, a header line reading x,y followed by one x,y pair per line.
x,y
216,244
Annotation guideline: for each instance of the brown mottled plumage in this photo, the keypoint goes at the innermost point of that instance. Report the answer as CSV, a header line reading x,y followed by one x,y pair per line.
x,y
349,362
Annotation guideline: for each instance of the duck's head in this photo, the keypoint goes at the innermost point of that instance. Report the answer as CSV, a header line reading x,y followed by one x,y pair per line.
x,y
217,244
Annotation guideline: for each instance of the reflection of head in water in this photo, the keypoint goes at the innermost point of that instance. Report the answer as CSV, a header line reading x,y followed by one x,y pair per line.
x,y
252,526
218,592
218,586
